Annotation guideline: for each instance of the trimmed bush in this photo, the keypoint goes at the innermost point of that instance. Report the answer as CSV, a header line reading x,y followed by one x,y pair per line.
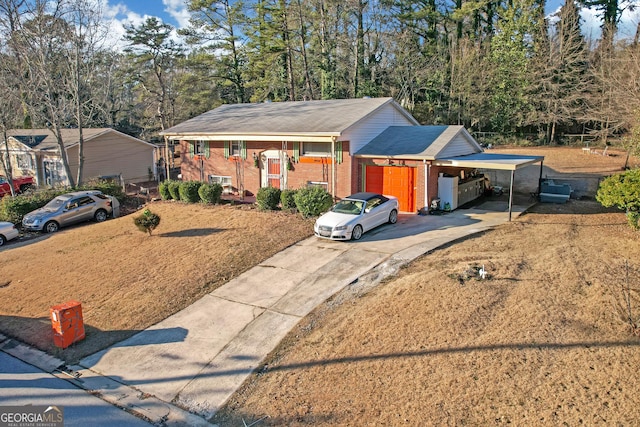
x,y
163,189
210,193
12,209
107,187
174,189
623,191
189,191
287,200
147,221
312,201
268,198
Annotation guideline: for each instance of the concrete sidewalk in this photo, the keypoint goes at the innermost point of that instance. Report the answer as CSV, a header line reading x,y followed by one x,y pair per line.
x,y
182,370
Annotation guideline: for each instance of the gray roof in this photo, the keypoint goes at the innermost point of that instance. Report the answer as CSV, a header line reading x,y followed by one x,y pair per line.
x,y
423,142
45,140
327,117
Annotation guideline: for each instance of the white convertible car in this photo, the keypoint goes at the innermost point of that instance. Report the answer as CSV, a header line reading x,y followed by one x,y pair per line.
x,y
352,216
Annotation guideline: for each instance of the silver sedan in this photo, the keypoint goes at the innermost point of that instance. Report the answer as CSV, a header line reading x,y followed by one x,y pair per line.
x,y
352,216
8,231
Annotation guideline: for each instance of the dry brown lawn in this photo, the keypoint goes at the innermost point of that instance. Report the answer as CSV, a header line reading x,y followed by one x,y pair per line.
x,y
127,280
541,341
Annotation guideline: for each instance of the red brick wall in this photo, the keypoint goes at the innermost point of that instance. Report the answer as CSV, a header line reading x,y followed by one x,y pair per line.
x,y
297,176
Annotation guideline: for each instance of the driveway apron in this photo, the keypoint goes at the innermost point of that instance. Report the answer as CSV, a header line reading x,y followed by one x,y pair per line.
x,y
197,358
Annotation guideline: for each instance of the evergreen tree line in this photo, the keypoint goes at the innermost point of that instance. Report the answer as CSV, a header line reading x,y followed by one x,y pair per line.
x,y
493,66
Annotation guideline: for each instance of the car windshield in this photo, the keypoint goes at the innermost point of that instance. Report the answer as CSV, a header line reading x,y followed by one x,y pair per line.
x,y
352,207
54,204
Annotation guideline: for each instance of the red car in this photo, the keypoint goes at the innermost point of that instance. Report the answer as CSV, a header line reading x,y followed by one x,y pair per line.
x,y
20,184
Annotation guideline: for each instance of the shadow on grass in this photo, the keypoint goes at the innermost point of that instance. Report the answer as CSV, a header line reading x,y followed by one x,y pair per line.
x,y
38,333
194,232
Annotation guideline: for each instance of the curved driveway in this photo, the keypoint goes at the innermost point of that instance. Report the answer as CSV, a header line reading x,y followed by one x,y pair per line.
x,y
198,357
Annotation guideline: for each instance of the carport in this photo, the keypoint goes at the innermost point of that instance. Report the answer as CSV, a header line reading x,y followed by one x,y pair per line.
x,y
508,162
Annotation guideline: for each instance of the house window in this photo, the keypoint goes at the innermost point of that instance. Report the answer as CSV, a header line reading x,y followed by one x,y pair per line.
x,y
24,161
236,148
198,148
317,149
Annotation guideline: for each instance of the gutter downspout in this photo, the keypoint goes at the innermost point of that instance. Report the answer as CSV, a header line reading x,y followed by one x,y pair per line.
x,y
426,184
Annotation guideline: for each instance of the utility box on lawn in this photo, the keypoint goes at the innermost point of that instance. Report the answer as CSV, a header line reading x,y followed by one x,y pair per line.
x,y
67,323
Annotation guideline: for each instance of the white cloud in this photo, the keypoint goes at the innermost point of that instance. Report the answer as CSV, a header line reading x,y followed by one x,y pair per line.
x,y
590,23
118,15
628,24
178,11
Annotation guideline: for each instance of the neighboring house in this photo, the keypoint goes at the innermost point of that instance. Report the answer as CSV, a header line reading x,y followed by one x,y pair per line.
x,y
346,146
107,153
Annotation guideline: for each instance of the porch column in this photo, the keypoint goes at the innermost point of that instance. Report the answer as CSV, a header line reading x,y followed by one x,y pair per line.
x,y
333,167
166,157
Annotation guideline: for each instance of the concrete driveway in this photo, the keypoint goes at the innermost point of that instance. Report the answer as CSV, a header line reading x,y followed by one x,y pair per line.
x,y
223,337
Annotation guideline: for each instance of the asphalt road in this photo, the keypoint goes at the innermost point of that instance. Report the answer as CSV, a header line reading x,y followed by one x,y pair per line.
x,y
22,384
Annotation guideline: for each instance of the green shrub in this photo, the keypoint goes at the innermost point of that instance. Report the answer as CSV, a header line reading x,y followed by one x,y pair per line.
x,y
107,187
312,201
210,193
287,200
633,219
147,221
189,191
174,189
622,191
163,189
268,198
12,209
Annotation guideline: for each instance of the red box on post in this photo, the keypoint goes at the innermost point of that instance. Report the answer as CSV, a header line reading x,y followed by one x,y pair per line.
x,y
67,323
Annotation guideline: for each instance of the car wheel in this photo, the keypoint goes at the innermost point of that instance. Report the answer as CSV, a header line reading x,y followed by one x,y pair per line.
x,y
393,217
51,227
356,234
25,187
101,215
3,240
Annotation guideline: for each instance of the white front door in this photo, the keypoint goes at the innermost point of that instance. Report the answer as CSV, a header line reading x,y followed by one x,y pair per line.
x,y
274,169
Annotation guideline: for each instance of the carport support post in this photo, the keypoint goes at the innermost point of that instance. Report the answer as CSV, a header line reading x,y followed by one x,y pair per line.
x,y
540,179
513,172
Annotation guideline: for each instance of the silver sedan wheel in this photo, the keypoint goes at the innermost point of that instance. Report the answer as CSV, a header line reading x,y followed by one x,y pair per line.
x,y
356,234
393,217
101,215
51,227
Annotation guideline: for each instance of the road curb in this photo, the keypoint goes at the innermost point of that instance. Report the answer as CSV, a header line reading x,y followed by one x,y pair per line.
x,y
137,403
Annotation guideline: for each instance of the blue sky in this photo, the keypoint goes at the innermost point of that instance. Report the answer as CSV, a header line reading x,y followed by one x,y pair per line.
x,y
174,12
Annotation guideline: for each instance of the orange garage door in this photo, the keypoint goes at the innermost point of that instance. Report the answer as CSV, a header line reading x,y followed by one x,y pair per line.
x,y
398,181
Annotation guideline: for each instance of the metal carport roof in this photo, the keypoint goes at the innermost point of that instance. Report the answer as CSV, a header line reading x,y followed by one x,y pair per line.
x,y
510,162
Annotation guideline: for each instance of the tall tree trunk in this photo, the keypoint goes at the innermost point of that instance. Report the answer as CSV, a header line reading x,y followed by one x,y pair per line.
x,y
303,50
359,74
